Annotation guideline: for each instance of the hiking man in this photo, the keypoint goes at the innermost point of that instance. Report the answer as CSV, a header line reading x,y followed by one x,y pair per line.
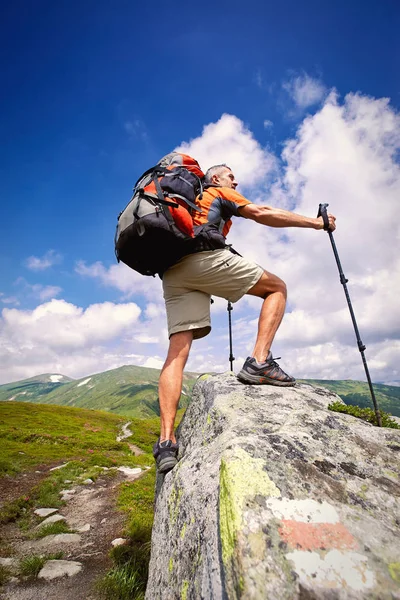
x,y
189,284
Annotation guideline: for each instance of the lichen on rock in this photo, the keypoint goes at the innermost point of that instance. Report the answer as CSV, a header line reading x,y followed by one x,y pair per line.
x,y
276,497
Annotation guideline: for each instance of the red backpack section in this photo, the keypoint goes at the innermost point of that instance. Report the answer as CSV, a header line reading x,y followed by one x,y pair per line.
x,y
156,230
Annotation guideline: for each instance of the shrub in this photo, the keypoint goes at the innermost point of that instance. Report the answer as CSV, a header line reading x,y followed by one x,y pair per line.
x,y
366,414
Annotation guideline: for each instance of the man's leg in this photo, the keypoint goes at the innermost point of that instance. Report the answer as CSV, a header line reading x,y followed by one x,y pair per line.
x,y
261,368
170,383
273,290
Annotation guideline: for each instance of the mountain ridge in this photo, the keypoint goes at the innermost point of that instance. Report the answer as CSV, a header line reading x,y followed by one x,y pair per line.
x,y
132,391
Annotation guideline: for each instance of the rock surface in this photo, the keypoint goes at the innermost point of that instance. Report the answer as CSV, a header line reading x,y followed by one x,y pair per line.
x,y
275,496
49,520
45,512
59,568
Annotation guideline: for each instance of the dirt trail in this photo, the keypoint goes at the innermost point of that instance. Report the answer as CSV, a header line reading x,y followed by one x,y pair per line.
x,y
91,505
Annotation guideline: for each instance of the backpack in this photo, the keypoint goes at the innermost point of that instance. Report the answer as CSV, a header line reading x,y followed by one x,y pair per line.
x,y
156,230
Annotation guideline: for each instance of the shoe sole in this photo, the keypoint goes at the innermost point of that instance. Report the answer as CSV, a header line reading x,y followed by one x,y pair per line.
x,y
259,380
166,464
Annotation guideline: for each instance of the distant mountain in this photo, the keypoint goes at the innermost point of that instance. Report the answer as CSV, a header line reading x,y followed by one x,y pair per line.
x,y
128,390
133,391
357,393
28,389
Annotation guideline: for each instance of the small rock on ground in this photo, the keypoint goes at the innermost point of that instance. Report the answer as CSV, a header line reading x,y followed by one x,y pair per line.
x,y
129,471
49,520
45,512
118,542
59,467
55,540
59,568
8,562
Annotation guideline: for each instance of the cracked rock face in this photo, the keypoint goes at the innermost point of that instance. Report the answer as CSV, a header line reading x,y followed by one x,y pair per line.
x,y
275,496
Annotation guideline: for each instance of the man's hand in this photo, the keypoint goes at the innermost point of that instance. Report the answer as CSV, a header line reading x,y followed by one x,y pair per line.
x,y
332,222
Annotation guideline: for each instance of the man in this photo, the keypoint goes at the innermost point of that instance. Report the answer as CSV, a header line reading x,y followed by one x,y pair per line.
x,y
189,284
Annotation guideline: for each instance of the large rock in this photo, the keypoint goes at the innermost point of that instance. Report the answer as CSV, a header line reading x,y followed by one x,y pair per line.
x,y
275,496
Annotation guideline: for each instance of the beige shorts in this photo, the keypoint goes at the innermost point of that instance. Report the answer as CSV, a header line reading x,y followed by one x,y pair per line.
x,y
189,285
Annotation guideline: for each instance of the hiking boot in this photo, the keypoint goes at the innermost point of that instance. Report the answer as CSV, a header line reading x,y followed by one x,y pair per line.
x,y
166,455
268,372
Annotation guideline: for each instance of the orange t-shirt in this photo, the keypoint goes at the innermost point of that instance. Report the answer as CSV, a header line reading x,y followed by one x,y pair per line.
x,y
219,204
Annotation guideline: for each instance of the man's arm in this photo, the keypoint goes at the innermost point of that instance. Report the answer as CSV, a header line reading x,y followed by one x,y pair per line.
x,y
276,217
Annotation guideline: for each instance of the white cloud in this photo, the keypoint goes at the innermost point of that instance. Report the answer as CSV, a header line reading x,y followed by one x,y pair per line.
x,y
305,91
230,141
59,324
9,299
45,292
344,154
154,363
49,259
122,278
59,336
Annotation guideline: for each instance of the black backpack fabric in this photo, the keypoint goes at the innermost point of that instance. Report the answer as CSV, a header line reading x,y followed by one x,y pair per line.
x,y
156,230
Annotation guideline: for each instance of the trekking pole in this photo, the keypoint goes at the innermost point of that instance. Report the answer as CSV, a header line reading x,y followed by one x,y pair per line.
x,y
231,357
322,212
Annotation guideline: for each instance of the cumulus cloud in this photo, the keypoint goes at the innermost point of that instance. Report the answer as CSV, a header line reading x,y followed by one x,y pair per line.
x,y
122,278
59,324
304,91
35,263
58,335
345,154
230,141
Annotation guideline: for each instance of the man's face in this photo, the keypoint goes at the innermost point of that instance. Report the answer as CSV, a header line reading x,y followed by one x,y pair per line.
x,y
226,179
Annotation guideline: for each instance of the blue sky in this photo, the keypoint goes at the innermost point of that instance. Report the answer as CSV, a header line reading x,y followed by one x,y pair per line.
x,y
94,93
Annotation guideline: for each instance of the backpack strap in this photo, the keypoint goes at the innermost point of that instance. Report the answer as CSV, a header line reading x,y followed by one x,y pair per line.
x,y
186,201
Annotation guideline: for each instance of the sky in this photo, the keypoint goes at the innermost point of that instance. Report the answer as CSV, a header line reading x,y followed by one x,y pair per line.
x,y
300,99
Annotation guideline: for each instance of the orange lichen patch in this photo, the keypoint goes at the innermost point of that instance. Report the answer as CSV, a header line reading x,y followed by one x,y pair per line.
x,y
316,536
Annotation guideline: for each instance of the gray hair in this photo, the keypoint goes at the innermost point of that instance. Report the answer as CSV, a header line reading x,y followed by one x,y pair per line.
x,y
215,170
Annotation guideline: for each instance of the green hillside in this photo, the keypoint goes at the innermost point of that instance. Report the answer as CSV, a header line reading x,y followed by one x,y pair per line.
x,y
33,434
132,391
357,393
128,390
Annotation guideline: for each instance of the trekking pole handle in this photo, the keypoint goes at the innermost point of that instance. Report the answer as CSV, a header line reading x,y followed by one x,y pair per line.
x,y
322,212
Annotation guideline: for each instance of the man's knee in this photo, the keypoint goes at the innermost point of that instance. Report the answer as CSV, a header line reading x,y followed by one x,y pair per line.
x,y
268,284
282,287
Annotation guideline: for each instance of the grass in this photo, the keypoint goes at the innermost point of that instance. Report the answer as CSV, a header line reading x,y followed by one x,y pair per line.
x,y
31,566
4,575
34,434
128,578
366,414
50,529
86,441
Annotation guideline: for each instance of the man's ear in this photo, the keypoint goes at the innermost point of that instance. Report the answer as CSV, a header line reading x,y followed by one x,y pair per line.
x,y
215,179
